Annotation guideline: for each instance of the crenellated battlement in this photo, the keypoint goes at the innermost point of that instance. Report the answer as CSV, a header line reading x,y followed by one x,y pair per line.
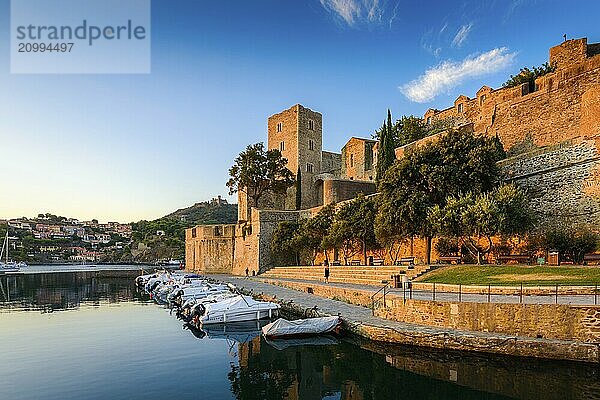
x,y
548,113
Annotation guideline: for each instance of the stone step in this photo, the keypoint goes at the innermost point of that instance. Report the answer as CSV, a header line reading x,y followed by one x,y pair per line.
x,y
349,274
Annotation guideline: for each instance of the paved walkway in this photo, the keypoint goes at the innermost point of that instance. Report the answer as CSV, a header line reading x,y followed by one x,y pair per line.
x,y
583,299
351,313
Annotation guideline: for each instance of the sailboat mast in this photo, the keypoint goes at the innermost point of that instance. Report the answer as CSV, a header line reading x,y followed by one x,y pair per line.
x,y
2,251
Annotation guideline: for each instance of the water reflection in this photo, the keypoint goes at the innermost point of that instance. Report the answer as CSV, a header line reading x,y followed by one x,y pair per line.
x,y
119,344
366,370
64,291
341,371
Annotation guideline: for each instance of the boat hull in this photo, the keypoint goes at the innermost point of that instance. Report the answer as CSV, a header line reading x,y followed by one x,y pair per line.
x,y
238,316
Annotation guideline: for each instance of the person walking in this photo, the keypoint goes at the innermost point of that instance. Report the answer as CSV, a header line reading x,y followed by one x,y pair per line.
x,y
247,272
326,272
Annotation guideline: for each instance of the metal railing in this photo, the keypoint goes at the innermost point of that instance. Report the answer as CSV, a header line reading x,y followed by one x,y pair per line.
x,y
378,294
557,294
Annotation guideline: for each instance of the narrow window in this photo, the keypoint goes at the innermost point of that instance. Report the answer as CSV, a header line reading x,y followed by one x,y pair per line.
x,y
481,99
428,120
311,144
351,160
309,167
282,146
193,232
311,124
279,126
460,108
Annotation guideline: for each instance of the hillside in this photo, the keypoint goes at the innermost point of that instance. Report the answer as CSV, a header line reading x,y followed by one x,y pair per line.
x,y
216,211
164,238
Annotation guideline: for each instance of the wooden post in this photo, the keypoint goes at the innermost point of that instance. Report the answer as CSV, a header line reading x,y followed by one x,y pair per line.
x,y
521,294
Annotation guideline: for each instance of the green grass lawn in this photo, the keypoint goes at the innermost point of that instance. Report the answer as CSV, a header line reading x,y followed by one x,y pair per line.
x,y
510,275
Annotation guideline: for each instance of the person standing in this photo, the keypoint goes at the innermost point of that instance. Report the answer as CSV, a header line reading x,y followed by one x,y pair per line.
x,y
246,272
326,272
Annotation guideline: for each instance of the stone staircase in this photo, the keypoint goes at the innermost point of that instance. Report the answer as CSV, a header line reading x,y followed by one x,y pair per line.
x,y
360,275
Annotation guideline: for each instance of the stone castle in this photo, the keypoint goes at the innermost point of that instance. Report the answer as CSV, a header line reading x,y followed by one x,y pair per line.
x,y
551,131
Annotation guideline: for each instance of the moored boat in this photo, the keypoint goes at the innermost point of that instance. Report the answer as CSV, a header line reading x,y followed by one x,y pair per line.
x,y
301,327
237,309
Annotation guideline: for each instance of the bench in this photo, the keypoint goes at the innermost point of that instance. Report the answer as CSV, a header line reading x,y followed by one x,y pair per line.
x,y
336,263
377,261
355,262
450,259
592,257
519,258
408,260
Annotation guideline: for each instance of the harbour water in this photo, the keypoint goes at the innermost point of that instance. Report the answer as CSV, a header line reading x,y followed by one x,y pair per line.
x,y
92,335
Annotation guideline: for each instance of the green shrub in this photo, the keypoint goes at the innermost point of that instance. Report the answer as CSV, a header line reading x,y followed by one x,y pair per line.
x,y
447,246
573,243
527,75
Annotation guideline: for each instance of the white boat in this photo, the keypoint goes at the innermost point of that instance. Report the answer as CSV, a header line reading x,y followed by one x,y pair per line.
x,y
237,309
301,327
183,294
192,305
7,265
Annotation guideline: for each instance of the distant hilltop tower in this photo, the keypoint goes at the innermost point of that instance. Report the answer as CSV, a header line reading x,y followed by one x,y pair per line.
x,y
298,133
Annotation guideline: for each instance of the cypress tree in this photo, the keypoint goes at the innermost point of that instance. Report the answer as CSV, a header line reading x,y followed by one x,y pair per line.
x,y
386,151
299,189
381,152
390,144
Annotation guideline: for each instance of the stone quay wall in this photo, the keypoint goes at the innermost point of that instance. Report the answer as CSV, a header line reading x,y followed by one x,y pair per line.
x,y
428,336
548,321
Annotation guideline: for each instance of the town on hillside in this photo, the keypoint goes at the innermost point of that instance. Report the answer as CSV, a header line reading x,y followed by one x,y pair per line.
x,y
49,238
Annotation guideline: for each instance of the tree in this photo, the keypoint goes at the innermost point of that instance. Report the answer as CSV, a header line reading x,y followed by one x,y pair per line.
x,y
474,220
353,227
409,129
299,189
313,231
386,154
427,176
527,75
285,240
256,172
572,242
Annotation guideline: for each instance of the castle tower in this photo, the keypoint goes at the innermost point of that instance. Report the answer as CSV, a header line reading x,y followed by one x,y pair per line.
x,y
298,133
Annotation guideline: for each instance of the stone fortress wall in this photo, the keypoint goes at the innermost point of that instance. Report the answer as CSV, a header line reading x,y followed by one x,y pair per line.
x,y
551,132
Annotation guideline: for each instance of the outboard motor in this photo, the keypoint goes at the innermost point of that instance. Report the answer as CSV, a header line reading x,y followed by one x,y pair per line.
x,y
178,298
155,285
198,311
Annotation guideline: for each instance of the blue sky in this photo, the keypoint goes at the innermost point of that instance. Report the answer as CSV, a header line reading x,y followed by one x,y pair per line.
x,y
127,147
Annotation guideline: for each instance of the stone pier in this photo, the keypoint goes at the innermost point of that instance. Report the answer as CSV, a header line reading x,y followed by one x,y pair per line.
x,y
359,320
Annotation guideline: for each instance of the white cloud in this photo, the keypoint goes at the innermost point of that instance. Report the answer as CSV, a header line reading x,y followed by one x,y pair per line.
x,y
462,35
443,28
449,74
358,12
